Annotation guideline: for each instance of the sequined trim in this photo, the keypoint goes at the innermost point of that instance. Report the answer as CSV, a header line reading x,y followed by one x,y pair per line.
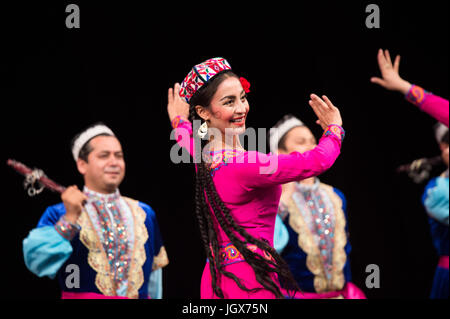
x,y
115,237
96,256
308,244
161,260
416,95
66,228
98,261
336,130
177,121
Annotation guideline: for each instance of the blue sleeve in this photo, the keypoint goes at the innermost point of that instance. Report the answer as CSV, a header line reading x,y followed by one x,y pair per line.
x,y
51,215
436,199
281,235
155,289
44,249
156,234
155,284
431,184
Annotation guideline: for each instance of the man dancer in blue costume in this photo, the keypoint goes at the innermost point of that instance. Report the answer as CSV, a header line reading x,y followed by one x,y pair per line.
x,y
113,241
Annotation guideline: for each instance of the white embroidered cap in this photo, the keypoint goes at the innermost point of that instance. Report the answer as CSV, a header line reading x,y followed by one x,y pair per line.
x,y
85,136
277,133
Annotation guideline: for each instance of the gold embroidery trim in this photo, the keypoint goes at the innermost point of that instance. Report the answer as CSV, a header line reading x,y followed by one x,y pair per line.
x,y
307,244
340,240
161,260
96,256
135,272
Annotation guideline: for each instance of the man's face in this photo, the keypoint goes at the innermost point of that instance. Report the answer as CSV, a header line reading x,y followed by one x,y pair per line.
x,y
299,139
105,168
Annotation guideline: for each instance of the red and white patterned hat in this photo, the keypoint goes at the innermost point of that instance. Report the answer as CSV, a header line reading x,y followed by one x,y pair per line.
x,y
200,74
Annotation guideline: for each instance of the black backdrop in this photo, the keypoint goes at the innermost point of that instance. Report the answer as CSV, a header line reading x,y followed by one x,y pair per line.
x,y
118,66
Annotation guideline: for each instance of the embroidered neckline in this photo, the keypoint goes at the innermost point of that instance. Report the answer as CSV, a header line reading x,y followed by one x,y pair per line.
x,y
101,197
222,157
306,187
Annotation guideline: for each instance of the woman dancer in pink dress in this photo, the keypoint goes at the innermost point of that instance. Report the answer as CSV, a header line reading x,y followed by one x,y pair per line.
x,y
237,192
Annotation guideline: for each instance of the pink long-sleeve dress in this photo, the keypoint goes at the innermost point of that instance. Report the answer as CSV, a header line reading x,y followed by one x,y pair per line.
x,y
249,184
429,103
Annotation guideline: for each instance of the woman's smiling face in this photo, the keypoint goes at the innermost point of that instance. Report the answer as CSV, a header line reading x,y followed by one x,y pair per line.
x,y
228,108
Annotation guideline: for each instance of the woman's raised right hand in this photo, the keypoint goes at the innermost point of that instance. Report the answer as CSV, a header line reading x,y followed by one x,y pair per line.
x,y
175,105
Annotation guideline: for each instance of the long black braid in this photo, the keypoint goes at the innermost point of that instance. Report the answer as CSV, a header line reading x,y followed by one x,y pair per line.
x,y
210,207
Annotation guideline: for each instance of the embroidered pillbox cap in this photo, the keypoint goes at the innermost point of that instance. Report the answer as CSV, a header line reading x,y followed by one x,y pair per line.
x,y
87,135
200,75
276,133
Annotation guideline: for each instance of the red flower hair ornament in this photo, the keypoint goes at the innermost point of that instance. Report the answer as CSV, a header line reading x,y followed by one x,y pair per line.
x,y
245,84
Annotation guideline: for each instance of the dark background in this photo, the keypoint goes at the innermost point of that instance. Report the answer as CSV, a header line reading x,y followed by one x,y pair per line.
x,y
118,66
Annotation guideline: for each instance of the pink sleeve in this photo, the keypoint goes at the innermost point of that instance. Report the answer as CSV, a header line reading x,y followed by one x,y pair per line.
x,y
262,170
431,104
183,134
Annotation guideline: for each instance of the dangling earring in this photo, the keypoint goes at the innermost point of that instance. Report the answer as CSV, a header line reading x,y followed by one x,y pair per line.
x,y
202,130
